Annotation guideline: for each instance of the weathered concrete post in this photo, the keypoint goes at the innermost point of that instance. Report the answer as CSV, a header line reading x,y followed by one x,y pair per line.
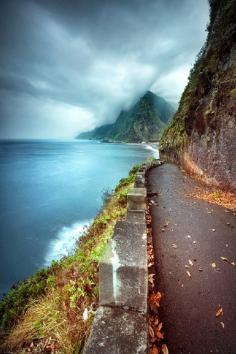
x,y
136,199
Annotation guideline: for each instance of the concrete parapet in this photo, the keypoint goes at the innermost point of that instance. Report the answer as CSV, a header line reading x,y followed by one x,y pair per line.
x,y
116,331
120,324
123,269
136,216
139,181
136,199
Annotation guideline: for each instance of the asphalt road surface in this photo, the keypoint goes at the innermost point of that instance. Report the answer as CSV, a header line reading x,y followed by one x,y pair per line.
x,y
191,235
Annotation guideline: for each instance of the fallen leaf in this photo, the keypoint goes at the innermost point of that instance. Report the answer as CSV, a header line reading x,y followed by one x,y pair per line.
x,y
151,332
150,264
213,265
194,242
200,269
186,266
213,230
233,263
174,245
222,324
219,312
154,350
155,298
225,259
159,327
189,274
164,349
188,236
160,335
151,279
190,262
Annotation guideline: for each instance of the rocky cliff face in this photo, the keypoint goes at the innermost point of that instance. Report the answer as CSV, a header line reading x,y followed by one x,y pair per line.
x,y
143,122
202,135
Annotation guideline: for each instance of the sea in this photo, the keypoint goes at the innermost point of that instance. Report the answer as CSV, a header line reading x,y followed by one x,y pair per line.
x,y
50,191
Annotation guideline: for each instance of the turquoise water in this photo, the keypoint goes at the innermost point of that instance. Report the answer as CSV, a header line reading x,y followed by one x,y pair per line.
x,y
49,190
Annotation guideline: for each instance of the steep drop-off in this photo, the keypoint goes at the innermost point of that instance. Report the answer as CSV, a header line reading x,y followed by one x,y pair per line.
x,y
202,135
143,122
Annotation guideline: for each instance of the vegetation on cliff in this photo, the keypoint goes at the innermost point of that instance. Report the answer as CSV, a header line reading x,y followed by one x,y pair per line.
x,y
53,310
143,122
202,134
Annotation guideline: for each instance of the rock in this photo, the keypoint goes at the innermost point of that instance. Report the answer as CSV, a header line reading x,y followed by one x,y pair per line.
x,y
201,137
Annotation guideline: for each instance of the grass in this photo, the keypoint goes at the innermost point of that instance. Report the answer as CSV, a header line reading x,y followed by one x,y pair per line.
x,y
48,312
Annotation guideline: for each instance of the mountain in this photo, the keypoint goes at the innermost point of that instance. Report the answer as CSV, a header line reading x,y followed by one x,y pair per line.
x,y
142,122
202,135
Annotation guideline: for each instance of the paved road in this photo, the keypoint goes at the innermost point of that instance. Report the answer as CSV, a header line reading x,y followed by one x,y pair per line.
x,y
183,230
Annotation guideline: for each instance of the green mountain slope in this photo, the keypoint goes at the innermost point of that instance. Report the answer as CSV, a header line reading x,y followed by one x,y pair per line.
x,y
143,122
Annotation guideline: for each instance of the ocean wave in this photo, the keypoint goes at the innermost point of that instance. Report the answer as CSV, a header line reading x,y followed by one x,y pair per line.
x,y
155,151
65,241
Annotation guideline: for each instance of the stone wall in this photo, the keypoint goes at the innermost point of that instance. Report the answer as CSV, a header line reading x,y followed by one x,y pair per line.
x,y
120,324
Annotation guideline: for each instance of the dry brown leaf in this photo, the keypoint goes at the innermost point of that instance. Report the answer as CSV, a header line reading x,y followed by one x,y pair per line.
x,y
222,324
150,264
219,312
233,263
186,266
225,259
189,274
190,262
159,327
154,350
155,298
164,349
174,245
151,279
213,265
151,332
159,335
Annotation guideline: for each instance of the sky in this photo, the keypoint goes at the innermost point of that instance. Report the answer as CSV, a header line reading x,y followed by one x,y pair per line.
x,y
67,66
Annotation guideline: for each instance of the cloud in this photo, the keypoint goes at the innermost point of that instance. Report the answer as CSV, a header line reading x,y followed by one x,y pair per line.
x,y
71,65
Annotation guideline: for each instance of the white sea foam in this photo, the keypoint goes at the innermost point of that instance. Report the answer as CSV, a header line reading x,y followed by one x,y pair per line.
x,y
65,241
155,151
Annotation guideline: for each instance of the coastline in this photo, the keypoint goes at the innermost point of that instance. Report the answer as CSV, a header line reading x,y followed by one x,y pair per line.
x,y
58,296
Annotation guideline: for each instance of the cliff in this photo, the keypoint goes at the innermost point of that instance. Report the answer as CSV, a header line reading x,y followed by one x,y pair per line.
x,y
202,134
143,122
